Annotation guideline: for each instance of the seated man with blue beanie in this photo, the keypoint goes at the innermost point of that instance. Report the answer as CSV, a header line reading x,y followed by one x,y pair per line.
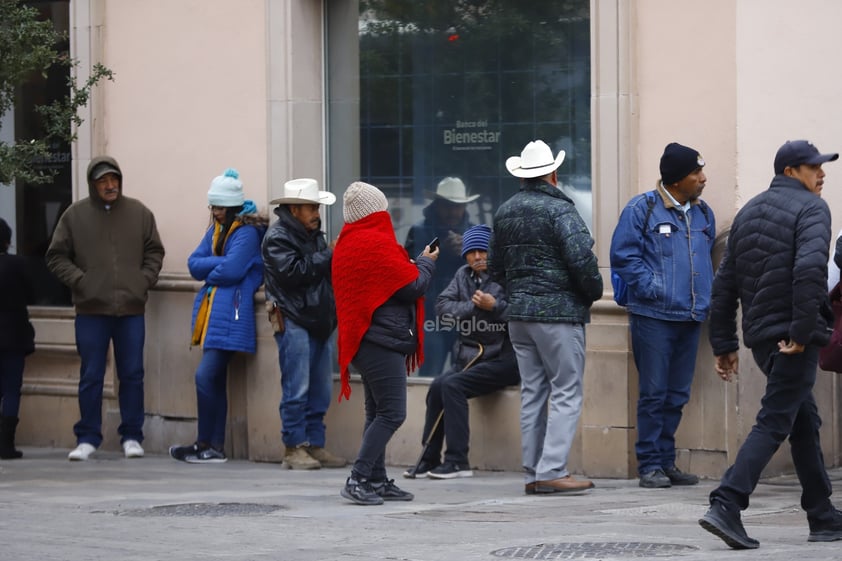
x,y
483,360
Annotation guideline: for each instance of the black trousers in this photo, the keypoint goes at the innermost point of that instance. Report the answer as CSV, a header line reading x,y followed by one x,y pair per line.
x,y
383,373
788,409
450,392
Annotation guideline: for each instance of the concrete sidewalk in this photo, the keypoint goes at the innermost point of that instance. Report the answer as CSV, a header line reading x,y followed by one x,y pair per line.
x,y
155,508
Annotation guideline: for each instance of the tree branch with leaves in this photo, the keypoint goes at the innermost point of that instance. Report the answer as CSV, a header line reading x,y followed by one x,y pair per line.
x,y
29,47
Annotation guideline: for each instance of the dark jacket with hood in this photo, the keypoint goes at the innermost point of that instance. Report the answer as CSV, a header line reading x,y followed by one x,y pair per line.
x,y
775,266
540,252
297,274
109,255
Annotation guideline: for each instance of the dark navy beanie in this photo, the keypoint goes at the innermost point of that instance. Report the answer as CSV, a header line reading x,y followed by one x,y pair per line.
x,y
476,237
678,162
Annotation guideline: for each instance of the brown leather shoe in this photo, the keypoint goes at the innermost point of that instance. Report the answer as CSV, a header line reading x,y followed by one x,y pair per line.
x,y
529,488
565,484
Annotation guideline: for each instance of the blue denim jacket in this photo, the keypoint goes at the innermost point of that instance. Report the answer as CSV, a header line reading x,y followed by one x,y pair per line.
x,y
666,264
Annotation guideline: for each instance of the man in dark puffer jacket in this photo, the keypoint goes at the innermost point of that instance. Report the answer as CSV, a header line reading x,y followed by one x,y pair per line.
x,y
775,266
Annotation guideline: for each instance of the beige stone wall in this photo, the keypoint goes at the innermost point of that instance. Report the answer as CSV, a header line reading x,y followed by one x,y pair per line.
x,y
241,84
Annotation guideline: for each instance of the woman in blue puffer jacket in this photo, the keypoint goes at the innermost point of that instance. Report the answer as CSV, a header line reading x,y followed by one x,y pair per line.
x,y
229,262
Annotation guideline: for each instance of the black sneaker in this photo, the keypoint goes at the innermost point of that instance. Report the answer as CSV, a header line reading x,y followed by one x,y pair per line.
x,y
360,492
421,470
209,455
827,530
655,479
727,526
678,477
451,470
388,491
182,453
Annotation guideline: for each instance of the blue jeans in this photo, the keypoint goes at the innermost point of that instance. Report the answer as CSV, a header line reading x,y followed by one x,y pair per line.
x,y
93,334
306,385
665,357
11,379
788,409
383,373
212,396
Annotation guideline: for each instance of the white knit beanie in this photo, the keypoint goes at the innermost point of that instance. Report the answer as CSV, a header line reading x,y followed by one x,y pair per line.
x,y
226,190
362,199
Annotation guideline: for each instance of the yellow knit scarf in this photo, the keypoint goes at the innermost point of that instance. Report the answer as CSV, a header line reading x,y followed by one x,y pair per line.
x,y
200,329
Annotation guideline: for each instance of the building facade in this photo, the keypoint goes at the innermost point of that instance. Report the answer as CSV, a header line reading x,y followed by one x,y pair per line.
x,y
401,95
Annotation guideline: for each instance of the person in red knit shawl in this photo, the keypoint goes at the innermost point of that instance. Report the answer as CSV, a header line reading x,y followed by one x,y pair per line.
x,y
379,295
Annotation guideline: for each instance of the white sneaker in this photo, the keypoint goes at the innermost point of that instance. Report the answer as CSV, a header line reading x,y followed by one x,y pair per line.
x,y
133,449
81,452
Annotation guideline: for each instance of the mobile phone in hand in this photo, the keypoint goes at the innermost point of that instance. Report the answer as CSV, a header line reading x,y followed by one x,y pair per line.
x,y
434,244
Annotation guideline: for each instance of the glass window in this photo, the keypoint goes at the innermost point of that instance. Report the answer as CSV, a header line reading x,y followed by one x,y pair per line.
x,y
33,210
451,89
431,89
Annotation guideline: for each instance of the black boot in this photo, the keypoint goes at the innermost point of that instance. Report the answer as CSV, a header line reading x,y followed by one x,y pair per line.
x,y
8,425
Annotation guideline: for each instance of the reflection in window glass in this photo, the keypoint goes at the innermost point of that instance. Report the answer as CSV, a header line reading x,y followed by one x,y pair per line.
x,y
431,89
445,88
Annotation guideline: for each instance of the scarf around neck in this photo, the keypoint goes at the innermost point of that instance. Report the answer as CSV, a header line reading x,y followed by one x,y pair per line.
x,y
367,268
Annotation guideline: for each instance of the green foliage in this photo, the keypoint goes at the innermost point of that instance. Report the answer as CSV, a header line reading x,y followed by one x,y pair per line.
x,y
28,47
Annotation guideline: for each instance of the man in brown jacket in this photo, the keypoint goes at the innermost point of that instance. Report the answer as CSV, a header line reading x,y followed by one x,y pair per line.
x,y
107,250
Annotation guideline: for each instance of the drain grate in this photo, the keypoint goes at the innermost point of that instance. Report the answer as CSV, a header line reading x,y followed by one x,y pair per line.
x,y
593,550
204,509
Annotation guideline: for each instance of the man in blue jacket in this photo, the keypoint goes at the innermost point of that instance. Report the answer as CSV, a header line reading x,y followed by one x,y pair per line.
x,y
775,269
662,248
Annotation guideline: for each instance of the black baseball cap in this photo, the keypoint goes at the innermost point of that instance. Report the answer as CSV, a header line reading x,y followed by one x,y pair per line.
x,y
797,152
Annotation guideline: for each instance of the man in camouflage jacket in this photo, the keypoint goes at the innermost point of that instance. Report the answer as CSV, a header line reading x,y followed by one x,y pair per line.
x,y
541,254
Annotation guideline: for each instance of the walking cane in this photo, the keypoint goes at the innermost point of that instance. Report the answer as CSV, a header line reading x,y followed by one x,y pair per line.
x,y
426,443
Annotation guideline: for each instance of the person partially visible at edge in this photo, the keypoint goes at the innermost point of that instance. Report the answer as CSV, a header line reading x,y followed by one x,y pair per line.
x,y
775,270
833,264
662,248
379,303
17,339
299,299
228,262
540,253
483,360
447,219
107,250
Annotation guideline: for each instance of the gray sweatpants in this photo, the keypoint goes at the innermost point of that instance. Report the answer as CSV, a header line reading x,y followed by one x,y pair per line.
x,y
551,359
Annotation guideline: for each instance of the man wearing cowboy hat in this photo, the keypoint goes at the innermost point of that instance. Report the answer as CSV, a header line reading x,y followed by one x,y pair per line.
x,y
445,218
299,298
541,254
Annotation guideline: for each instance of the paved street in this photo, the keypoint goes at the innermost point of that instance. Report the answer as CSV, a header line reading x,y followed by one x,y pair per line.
x,y
154,508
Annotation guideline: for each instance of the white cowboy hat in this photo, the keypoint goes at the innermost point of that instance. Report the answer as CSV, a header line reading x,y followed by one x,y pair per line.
x,y
452,189
536,160
304,191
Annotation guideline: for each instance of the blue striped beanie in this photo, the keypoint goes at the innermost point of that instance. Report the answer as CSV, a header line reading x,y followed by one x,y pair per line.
x,y
476,237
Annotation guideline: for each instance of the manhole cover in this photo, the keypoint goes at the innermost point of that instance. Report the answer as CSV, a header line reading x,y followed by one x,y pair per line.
x,y
593,550
204,509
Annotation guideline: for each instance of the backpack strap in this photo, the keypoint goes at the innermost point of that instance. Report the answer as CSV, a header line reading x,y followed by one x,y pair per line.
x,y
650,205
